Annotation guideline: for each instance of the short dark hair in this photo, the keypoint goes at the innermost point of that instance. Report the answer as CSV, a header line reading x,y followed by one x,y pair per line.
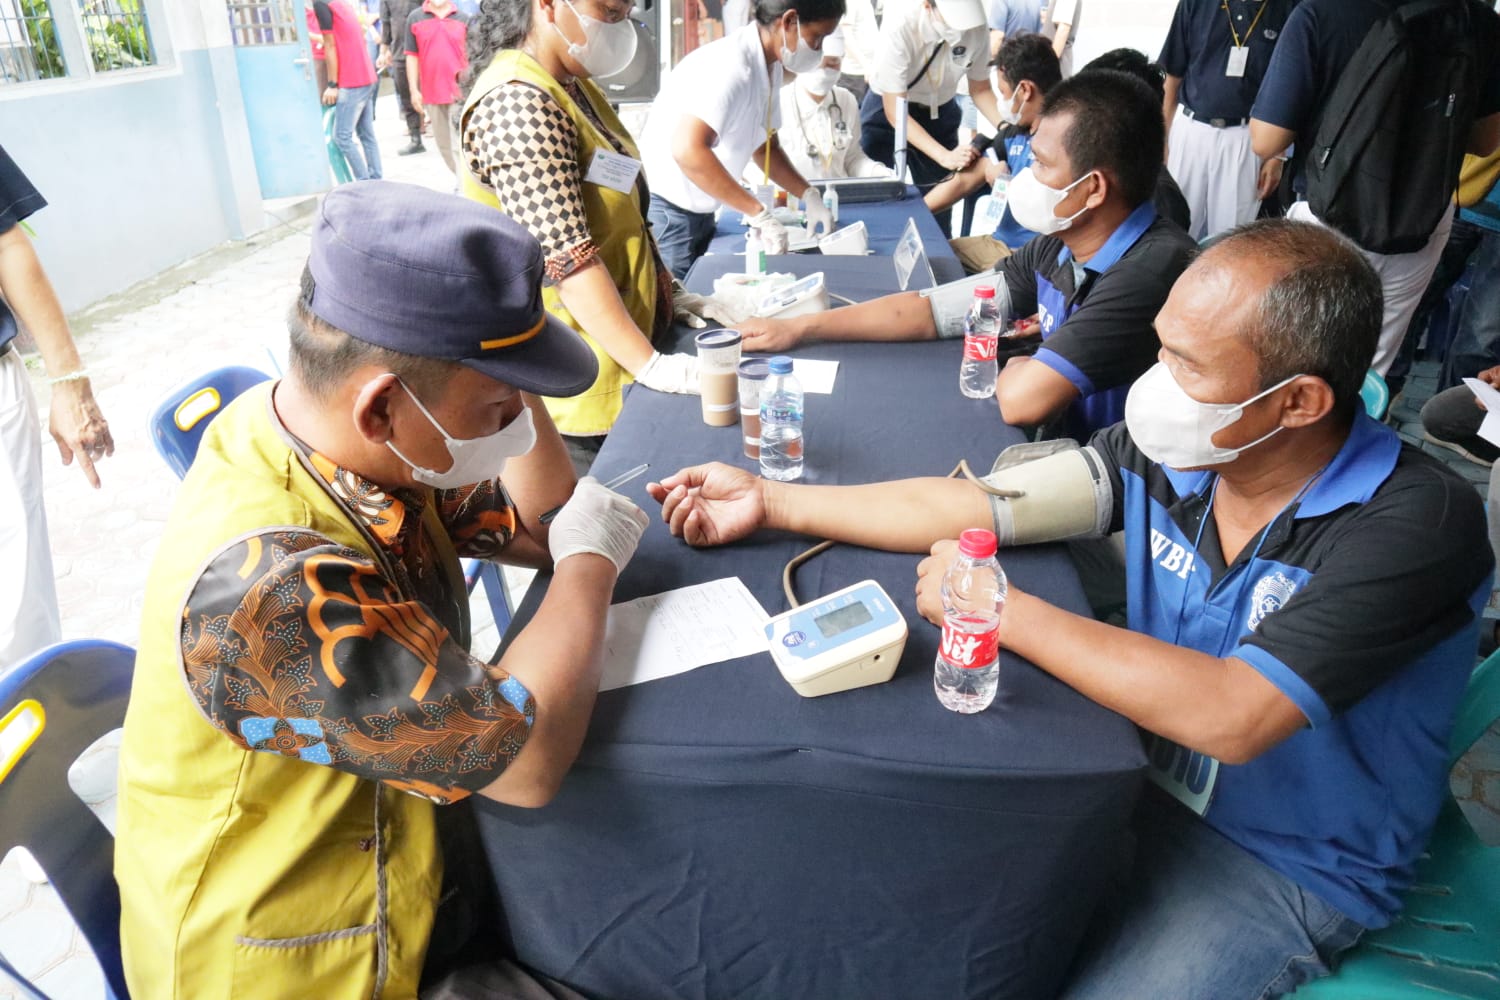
x,y
322,355
1117,128
1134,62
1321,316
1028,56
770,11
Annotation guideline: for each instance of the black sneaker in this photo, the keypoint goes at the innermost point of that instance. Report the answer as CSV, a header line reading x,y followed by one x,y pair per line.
x,y
415,147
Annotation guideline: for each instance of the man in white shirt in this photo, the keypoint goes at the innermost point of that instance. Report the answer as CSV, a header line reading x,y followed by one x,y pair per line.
x,y
926,48
1060,24
820,123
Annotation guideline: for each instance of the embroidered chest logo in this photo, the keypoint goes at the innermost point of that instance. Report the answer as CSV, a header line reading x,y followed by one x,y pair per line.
x,y
1269,595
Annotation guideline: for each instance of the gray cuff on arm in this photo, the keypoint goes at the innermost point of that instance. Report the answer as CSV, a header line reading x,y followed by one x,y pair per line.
x,y
1048,492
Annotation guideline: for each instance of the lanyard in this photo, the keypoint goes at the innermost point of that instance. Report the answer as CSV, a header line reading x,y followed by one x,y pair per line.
x,y
1248,31
770,96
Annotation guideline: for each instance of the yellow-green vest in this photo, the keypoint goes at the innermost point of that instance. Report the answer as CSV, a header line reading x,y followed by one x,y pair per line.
x,y
617,223
246,874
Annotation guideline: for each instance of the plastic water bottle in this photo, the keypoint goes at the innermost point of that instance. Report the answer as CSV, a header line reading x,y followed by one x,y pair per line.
x,y
781,423
831,202
976,376
755,253
967,670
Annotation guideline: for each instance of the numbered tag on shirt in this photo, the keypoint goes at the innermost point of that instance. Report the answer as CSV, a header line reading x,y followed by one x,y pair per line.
x,y
612,170
1238,56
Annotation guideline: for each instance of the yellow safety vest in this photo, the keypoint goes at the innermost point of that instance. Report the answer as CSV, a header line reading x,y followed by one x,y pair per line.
x,y
247,874
616,221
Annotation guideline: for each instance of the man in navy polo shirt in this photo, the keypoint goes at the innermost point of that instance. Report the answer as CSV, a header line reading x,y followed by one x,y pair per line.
x,y
1303,590
1319,39
1094,280
1215,56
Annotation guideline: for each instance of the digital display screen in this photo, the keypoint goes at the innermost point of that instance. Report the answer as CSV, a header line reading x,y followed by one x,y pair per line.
x,y
843,619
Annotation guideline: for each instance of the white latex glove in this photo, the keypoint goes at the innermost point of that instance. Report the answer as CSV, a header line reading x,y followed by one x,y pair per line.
x,y
817,213
773,237
670,373
599,521
694,309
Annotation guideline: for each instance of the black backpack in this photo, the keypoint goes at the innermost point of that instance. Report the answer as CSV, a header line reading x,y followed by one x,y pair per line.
x,y
1384,159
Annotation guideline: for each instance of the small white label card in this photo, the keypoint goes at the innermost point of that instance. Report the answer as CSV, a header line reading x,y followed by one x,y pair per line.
x,y
1238,56
612,170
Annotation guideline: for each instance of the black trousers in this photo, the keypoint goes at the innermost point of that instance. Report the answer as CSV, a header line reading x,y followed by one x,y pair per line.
x,y
878,139
403,98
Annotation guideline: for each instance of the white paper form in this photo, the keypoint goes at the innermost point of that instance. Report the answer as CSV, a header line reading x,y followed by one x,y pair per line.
x,y
671,633
816,376
1490,397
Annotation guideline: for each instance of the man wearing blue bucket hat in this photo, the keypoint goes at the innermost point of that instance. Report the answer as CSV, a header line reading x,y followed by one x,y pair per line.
x,y
304,693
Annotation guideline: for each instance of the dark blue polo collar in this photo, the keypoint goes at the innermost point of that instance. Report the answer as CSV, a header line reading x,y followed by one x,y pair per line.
x,y
1120,241
1366,459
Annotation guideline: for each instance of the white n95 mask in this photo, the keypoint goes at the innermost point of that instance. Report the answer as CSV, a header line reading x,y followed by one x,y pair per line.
x,y
1173,428
1034,203
1009,113
475,460
607,47
821,81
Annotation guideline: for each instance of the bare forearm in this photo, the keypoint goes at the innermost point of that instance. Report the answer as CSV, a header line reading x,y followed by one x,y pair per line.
x,y
32,298
782,171
1220,707
331,60
556,657
907,515
899,317
984,99
1169,100
704,169
591,296
412,78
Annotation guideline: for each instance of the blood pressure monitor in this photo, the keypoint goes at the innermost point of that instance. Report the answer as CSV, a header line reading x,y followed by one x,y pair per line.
x,y
849,639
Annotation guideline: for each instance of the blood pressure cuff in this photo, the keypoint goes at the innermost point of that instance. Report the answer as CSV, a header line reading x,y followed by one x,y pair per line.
x,y
1048,491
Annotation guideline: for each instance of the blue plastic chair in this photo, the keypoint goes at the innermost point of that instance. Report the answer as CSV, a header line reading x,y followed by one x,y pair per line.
x,y
179,420
1375,394
177,426
52,708
1446,940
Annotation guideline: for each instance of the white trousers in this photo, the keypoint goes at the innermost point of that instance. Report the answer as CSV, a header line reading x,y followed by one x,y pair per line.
x,y
1217,171
1403,279
28,594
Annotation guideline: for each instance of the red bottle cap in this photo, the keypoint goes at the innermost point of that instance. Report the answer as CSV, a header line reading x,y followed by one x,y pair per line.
x,y
977,543
984,292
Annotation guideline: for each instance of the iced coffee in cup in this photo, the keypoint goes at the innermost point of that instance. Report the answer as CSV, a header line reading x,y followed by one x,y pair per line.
x,y
718,356
753,372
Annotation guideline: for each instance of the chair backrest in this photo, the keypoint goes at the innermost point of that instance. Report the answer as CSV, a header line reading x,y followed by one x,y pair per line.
x,y
1480,708
1375,394
178,423
52,708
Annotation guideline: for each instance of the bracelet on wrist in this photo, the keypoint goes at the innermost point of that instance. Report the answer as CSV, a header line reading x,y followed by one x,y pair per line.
x,y
81,375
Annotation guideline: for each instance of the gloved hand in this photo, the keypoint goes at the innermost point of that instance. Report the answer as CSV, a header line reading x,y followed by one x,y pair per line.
x,y
817,213
772,233
693,309
599,521
670,373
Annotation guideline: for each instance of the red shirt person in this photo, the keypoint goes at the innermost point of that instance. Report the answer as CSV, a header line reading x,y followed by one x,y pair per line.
x,y
436,40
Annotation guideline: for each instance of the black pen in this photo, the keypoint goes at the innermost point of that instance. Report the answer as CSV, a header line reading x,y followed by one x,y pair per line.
x,y
618,481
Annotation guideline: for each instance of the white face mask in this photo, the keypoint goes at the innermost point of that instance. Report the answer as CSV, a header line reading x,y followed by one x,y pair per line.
x,y
606,49
1173,428
819,82
1034,203
475,460
1010,114
805,58
947,34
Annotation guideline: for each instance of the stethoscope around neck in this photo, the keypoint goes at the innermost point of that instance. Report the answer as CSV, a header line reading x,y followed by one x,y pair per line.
x,y
838,130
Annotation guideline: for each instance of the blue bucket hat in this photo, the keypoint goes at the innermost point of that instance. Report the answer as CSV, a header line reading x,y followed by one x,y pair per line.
x,y
438,276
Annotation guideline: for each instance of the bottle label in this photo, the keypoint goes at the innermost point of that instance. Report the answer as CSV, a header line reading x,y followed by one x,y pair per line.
x,y
981,348
970,650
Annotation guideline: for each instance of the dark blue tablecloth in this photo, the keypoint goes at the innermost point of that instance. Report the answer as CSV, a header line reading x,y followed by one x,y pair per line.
x,y
723,837
856,278
885,220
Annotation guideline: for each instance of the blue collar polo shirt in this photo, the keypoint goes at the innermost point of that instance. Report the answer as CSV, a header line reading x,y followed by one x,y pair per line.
x,y
1097,317
1359,603
1017,148
1198,48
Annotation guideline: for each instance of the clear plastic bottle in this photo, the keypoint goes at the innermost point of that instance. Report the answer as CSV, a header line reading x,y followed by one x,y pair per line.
x,y
831,201
976,376
755,253
967,670
781,423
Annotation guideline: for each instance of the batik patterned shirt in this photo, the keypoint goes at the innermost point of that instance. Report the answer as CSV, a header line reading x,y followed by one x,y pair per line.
x,y
297,645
